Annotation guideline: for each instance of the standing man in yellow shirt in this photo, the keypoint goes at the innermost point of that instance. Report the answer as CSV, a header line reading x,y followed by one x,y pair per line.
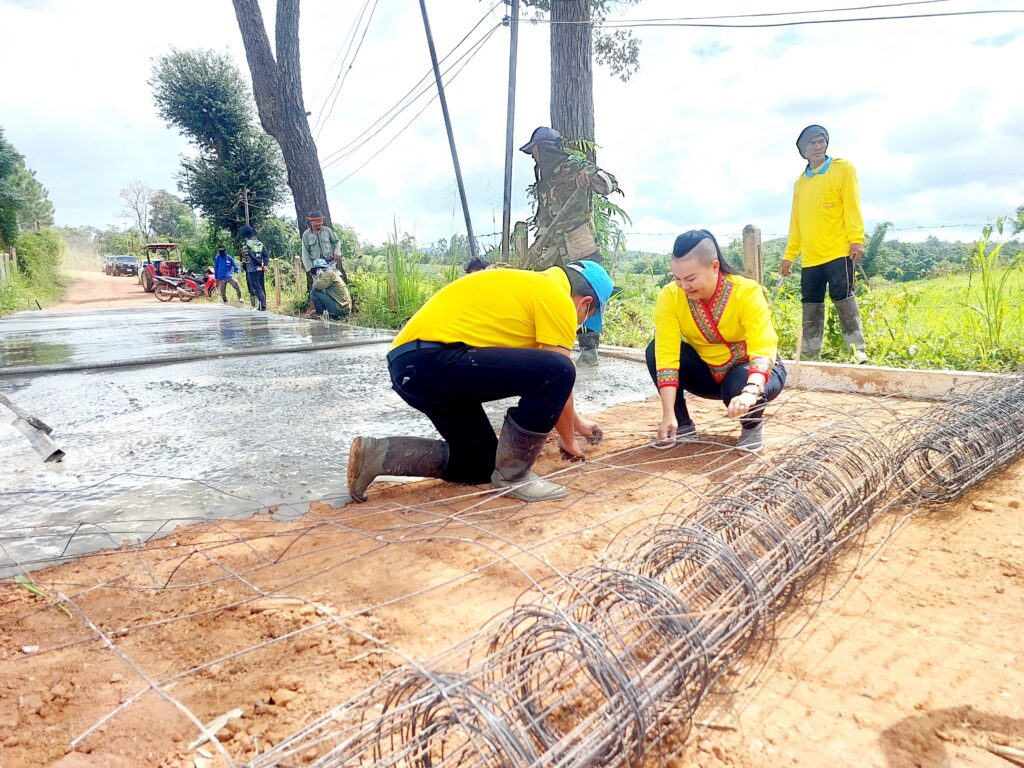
x,y
492,334
827,228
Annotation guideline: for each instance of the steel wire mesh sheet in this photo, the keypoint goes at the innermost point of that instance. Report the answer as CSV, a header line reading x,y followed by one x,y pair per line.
x,y
603,666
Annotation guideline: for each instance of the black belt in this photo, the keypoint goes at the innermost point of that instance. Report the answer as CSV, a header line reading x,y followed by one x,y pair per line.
x,y
412,346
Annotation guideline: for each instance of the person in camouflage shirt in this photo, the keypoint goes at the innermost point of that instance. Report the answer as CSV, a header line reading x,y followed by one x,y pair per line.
x,y
565,227
565,181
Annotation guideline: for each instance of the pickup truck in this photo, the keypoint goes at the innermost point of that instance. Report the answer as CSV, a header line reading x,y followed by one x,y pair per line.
x,y
120,265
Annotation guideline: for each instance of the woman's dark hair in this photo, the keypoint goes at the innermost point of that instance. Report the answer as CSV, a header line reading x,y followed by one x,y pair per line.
x,y
246,232
476,264
687,241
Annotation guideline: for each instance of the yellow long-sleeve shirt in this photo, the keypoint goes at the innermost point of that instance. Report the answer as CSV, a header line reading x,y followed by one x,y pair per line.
x,y
498,308
733,327
826,217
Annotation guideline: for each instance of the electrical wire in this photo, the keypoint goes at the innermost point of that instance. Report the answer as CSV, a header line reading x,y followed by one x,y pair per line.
x,y
343,75
468,58
401,104
639,23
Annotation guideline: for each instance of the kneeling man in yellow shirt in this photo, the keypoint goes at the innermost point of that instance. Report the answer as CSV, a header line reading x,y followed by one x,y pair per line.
x,y
489,335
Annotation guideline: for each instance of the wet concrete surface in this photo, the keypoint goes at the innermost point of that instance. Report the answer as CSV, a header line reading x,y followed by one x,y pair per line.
x,y
152,447
170,332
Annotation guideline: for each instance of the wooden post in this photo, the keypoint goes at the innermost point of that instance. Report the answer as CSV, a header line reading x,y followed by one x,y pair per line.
x,y
299,277
752,265
520,237
277,282
14,257
3,268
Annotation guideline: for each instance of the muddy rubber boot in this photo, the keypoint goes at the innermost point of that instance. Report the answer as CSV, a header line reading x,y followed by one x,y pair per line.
x,y
517,450
813,331
751,438
589,341
370,457
853,331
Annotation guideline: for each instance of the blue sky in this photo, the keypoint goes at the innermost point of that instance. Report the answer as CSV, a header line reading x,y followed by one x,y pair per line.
x,y
928,110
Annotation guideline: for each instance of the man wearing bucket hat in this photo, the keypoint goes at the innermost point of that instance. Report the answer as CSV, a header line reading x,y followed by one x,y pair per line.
x,y
565,229
320,242
329,293
489,335
827,228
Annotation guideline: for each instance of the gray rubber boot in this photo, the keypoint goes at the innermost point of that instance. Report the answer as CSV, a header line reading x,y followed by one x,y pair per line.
x,y
370,457
517,450
589,341
853,331
751,438
813,331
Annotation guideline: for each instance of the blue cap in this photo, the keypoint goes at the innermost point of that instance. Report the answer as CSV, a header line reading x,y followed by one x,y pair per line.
x,y
320,264
601,282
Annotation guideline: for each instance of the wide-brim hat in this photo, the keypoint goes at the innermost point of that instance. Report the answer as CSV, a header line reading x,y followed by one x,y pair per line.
x,y
601,282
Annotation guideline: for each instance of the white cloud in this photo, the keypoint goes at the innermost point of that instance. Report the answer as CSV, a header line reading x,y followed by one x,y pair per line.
x,y
702,136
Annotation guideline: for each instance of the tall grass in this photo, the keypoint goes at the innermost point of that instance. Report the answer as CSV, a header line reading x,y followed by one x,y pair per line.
x,y
937,323
388,300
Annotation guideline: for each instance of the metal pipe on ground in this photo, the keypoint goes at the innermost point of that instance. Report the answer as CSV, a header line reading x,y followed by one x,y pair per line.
x,y
37,432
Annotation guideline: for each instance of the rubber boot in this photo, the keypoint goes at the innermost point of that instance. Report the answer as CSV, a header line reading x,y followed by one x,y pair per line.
x,y
751,438
589,341
370,457
853,331
517,450
813,331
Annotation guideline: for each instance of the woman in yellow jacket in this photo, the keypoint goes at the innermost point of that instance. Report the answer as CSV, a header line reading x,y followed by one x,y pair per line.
x,y
713,337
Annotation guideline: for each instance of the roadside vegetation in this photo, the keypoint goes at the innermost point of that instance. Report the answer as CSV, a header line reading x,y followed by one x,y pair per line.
x,y
31,279
936,304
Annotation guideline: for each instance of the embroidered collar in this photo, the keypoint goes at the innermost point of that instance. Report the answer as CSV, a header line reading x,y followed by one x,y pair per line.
x,y
824,167
707,314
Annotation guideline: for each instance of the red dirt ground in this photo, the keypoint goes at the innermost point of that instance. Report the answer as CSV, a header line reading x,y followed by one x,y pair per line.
x,y
912,657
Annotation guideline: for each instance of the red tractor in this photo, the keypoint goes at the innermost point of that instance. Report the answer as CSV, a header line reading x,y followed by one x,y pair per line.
x,y
167,266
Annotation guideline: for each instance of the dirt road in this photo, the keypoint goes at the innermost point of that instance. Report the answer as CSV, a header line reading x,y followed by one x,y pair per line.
x,y
94,290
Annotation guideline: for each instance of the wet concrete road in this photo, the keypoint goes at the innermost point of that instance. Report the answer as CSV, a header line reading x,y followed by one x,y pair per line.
x,y
166,332
151,447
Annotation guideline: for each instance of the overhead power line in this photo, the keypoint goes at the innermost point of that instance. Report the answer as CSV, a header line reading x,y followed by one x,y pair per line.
x,y
847,9
478,46
636,23
403,103
343,72
346,45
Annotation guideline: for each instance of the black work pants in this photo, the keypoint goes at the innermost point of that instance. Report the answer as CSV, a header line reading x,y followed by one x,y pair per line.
x,y
836,274
449,384
256,283
695,377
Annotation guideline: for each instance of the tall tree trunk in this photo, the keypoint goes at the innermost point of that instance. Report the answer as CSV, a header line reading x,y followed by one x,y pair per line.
x,y
277,86
572,71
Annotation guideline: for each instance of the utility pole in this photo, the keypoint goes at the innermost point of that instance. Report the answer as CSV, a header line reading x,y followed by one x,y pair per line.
x,y
245,203
510,119
448,127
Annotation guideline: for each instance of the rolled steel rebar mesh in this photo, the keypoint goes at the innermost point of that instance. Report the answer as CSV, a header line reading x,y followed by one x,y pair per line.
x,y
606,665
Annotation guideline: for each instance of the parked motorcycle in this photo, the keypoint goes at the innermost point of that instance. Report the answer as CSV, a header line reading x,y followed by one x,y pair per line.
x,y
193,285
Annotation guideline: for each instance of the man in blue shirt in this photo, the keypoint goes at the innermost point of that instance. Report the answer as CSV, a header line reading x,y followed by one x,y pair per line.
x,y
224,269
